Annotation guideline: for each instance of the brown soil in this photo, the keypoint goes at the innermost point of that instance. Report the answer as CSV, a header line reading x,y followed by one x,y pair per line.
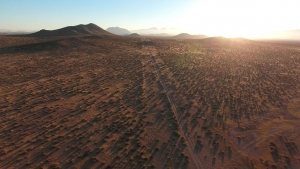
x,y
120,102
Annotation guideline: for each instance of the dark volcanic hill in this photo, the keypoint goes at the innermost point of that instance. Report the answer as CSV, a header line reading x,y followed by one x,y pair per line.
x,y
118,31
188,36
78,30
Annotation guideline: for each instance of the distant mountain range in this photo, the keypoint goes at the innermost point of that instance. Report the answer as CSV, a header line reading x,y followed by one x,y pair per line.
x,y
151,32
118,31
146,32
14,32
92,29
155,31
160,34
78,30
188,36
134,35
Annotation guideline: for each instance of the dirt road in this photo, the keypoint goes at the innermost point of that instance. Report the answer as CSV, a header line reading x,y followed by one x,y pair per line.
x,y
189,142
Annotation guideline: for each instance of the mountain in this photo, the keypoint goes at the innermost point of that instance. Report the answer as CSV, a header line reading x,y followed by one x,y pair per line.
x,y
13,32
134,35
78,30
188,36
118,31
156,31
160,34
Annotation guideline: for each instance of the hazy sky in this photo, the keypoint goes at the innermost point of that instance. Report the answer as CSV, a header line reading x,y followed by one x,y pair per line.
x,y
229,18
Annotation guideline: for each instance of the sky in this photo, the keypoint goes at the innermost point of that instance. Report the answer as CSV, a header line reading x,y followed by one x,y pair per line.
x,y
229,18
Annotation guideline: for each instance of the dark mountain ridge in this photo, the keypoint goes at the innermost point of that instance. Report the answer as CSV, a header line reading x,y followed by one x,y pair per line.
x,y
78,30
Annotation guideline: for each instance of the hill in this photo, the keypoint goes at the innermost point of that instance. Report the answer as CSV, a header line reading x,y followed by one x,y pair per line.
x,y
155,31
78,30
118,31
159,34
188,36
134,35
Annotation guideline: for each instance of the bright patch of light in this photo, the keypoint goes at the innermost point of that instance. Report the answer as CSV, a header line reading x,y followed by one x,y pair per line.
x,y
240,18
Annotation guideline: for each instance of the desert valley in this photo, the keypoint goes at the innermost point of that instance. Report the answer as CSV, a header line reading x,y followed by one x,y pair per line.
x,y
81,97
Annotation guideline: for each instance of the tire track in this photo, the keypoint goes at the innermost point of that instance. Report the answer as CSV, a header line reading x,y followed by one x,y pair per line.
x,y
188,140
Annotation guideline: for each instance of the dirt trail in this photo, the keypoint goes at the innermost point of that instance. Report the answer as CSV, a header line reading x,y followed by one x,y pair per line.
x,y
190,144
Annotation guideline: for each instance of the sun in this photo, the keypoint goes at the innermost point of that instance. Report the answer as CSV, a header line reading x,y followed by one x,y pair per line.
x,y
236,18
230,26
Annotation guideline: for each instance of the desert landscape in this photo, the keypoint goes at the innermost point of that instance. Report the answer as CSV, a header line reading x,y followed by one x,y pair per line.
x,y
80,97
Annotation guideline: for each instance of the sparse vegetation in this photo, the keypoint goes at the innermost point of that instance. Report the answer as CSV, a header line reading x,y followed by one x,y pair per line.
x,y
121,102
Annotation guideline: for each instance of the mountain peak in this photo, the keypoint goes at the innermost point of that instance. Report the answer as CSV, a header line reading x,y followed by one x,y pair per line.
x,y
78,30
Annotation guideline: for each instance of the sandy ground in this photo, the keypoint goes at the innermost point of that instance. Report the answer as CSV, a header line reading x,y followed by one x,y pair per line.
x,y
116,102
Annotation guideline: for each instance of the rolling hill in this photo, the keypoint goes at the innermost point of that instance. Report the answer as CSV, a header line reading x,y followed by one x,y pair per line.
x,y
134,35
78,30
188,36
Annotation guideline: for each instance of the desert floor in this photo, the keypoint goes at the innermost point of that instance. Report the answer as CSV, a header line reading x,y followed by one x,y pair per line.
x,y
120,102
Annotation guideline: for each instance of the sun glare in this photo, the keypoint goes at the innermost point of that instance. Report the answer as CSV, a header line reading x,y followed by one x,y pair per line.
x,y
238,18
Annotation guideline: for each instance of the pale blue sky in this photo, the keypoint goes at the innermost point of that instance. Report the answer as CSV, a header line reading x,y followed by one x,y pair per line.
x,y
131,14
248,18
